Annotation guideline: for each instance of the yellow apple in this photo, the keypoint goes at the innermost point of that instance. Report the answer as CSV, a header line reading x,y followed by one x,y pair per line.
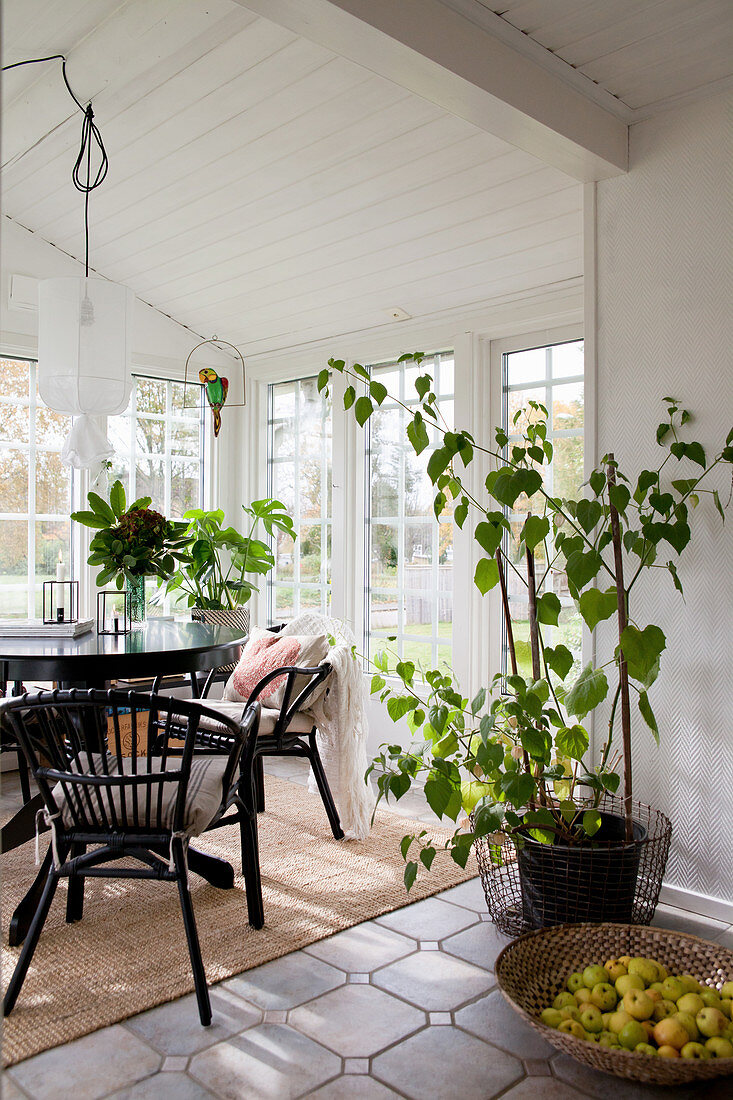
x,y
575,982
582,996
563,1000
672,989
619,1019
647,970
590,1018
726,1007
694,1050
666,1051
719,1047
604,996
690,1002
608,1039
627,982
711,1022
645,1048
638,1004
592,975
569,1012
710,997
691,984
670,1032
726,991
662,1009
688,1023
572,1027
615,969
625,960
551,1017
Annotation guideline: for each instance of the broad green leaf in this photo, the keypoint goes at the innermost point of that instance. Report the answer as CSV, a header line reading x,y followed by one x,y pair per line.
x,y
349,397
460,513
642,649
323,377
117,499
486,575
478,701
472,792
619,496
363,409
677,582
597,481
438,716
588,691
438,462
591,822
378,391
587,513
661,502
489,536
595,606
442,796
418,436
647,478
519,788
90,519
405,845
535,530
648,714
423,383
548,609
427,855
581,568
572,741
559,659
378,682
101,507
410,875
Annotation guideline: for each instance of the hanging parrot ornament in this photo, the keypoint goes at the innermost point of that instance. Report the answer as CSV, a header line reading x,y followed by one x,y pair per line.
x,y
216,393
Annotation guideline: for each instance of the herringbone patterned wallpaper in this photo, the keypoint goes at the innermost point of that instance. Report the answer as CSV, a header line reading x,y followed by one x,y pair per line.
x,y
665,294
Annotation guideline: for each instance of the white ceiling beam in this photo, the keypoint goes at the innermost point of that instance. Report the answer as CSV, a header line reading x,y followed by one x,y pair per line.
x,y
437,53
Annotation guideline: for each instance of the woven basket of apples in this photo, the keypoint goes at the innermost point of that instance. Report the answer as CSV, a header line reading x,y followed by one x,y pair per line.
x,y
642,1003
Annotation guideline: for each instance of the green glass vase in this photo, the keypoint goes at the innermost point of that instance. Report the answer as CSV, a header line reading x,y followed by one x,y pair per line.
x,y
136,598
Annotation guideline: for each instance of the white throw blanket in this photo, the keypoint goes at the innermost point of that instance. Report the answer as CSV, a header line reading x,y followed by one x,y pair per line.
x,y
340,716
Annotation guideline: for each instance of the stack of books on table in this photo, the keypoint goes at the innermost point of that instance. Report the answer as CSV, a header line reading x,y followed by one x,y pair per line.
x,y
36,628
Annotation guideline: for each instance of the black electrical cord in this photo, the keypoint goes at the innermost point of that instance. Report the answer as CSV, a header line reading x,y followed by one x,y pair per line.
x,y
89,134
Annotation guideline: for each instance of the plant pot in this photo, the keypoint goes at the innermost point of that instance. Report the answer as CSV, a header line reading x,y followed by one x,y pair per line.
x,y
593,881
235,617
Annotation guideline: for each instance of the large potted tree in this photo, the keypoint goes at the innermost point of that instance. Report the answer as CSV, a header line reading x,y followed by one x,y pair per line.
x,y
514,760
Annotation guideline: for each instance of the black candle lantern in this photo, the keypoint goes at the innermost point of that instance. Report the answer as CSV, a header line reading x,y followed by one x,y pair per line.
x,y
60,601
112,609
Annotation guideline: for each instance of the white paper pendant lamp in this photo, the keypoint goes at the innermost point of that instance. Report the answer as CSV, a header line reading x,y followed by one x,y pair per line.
x,y
84,352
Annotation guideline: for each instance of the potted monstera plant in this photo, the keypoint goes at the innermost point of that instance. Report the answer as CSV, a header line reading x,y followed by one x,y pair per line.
x,y
513,762
213,569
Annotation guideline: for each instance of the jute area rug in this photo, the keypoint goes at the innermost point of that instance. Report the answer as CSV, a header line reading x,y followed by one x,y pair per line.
x,y
129,951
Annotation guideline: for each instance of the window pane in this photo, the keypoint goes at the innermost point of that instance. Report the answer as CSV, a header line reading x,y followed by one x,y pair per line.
x,y
186,400
567,359
150,396
51,427
567,406
150,481
526,366
150,436
13,481
14,421
410,555
53,484
185,486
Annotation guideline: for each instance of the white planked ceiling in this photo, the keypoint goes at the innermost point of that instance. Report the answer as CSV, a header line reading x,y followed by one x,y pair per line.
x,y
261,187
647,53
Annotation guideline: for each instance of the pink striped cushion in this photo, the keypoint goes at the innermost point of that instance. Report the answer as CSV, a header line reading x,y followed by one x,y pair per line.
x,y
265,652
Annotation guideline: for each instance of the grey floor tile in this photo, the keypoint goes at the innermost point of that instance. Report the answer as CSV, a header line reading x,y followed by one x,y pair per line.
x,y
546,1088
480,944
286,982
86,1068
443,1062
363,948
492,1019
175,1028
8,1088
469,894
165,1086
434,981
602,1086
357,1020
681,921
269,1062
430,919
354,1088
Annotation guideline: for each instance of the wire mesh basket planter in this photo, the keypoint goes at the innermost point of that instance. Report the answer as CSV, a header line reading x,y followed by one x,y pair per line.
x,y
235,617
604,881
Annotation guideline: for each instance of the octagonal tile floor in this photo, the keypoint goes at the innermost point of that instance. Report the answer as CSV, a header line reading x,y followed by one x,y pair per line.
x,y
402,1006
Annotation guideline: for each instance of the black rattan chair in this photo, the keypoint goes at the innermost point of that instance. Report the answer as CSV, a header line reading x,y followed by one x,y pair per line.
x,y
285,732
146,805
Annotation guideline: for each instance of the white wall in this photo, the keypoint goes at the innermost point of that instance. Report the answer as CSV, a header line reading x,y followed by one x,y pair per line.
x,y
665,327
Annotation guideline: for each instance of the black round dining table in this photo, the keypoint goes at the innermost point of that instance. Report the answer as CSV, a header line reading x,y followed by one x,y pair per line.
x,y
155,648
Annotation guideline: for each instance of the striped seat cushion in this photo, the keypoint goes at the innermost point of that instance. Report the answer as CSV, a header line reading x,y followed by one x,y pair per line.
x,y
203,796
299,723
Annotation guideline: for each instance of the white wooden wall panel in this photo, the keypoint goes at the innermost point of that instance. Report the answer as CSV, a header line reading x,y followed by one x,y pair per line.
x,y
665,326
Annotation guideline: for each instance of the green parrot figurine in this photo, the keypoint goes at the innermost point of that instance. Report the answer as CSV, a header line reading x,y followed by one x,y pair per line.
x,y
216,393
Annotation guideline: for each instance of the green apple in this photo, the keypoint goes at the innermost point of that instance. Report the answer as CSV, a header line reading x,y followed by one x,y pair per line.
x,y
657,987
575,982
563,1000
631,1035
627,982
569,1012
647,970
691,984
688,1023
726,991
608,1039
690,1002
572,1027
615,969
619,1019
662,1009
638,1004
694,1050
590,1018
670,1032
604,996
711,1022
592,975
710,998
672,989
645,1048
583,996
719,1047
726,1007
606,1017
551,1017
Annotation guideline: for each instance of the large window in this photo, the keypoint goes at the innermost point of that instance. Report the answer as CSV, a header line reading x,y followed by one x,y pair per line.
x,y
299,475
159,445
553,376
35,492
410,556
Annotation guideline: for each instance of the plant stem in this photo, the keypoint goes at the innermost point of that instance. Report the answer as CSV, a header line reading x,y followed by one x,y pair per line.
x,y
510,636
534,639
622,667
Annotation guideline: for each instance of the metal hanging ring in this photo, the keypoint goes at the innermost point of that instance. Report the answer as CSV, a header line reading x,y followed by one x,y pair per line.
x,y
219,344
